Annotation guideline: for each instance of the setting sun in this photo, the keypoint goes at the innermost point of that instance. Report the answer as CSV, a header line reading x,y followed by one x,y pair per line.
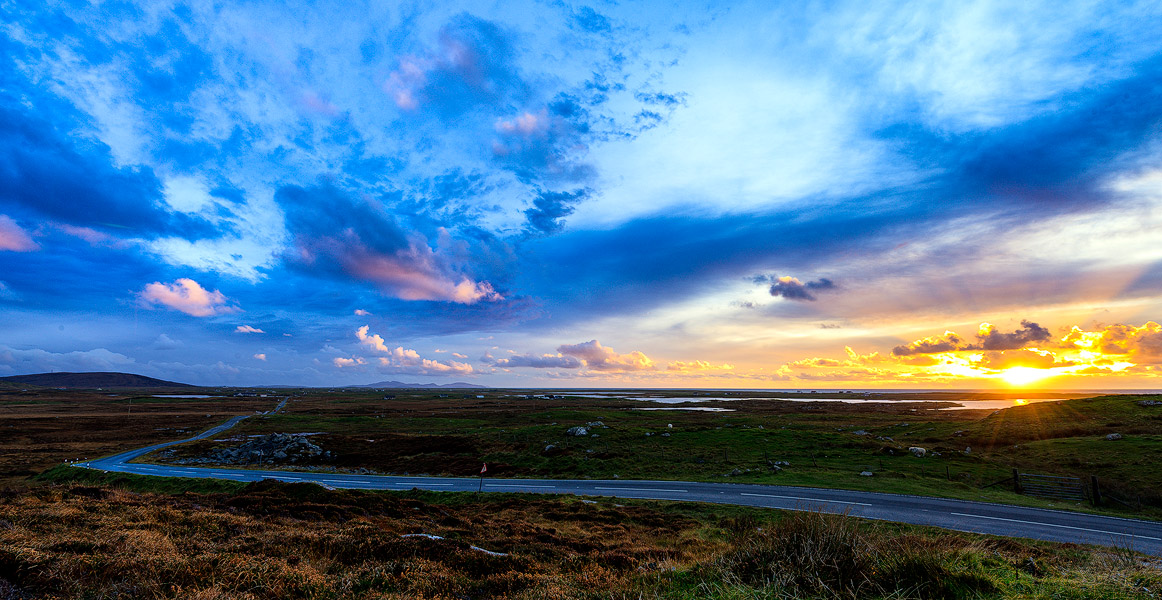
x,y
1024,375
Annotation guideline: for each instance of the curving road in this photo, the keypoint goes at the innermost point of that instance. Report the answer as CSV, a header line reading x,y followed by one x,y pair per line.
x,y
960,515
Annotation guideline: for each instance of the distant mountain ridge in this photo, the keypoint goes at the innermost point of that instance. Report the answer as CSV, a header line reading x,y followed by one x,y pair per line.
x,y
99,379
400,384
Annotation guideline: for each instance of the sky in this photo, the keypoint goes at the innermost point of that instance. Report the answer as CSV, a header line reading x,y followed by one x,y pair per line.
x,y
779,195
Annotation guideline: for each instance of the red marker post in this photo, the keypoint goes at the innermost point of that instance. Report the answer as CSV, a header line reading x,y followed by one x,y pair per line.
x,y
483,470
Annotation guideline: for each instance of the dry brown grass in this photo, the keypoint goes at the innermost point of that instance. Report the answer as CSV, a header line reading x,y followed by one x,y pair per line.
x,y
301,542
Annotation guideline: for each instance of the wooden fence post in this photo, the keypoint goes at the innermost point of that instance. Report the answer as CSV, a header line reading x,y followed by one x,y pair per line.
x,y
1095,493
1016,481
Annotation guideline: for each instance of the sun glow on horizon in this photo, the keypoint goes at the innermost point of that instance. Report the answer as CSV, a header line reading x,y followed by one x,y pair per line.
x,y
1021,376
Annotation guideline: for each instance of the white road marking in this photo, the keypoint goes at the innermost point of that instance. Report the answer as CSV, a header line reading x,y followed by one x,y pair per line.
x,y
1134,535
519,486
417,483
808,499
629,489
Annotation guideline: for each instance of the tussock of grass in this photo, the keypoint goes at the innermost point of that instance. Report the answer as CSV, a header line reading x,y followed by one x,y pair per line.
x,y
817,555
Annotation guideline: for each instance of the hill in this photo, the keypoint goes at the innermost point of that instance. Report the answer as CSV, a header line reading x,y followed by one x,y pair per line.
x,y
400,384
91,380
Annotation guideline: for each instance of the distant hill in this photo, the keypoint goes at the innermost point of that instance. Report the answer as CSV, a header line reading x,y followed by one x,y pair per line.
x,y
400,384
91,380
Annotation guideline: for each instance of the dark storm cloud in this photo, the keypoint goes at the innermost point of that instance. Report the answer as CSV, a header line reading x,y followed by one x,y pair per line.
x,y
1028,333
793,289
949,342
988,338
549,208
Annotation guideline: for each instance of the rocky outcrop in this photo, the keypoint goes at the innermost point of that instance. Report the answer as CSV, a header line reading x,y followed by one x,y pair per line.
x,y
276,448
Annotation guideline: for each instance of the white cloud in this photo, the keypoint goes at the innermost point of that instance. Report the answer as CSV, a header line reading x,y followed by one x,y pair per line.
x,y
260,356
247,329
164,342
375,342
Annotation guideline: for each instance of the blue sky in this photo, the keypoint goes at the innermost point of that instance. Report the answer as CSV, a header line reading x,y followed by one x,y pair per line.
x,y
591,194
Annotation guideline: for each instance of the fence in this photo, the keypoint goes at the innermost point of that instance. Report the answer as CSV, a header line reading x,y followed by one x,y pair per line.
x,y
1051,486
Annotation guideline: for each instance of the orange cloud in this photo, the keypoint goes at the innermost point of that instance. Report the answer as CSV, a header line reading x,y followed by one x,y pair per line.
x,y
697,365
1029,353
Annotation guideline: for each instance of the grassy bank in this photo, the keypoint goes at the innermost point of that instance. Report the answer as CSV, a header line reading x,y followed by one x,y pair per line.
x,y
273,540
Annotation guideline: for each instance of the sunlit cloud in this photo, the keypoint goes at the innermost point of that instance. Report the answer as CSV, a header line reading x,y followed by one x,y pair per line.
x,y
13,238
187,296
1025,356
247,329
600,358
407,360
696,366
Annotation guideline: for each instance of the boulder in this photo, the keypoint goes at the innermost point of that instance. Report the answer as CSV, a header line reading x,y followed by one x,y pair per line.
x,y
550,448
1150,403
866,473
596,424
917,451
860,432
1113,437
577,431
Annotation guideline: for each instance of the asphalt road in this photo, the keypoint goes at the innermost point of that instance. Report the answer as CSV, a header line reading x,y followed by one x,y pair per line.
x,y
960,515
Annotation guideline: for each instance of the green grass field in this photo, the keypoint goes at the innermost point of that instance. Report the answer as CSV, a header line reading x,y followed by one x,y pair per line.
x,y
813,444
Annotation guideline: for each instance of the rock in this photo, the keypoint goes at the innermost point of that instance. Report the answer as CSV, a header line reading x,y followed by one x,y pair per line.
x,y
595,435
665,435
968,449
550,448
264,449
596,424
860,432
577,431
648,434
1150,403
1114,437
782,463
669,425
866,473
917,451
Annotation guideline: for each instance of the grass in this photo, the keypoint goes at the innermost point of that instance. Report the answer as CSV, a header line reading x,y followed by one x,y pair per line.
x,y
826,444
95,539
